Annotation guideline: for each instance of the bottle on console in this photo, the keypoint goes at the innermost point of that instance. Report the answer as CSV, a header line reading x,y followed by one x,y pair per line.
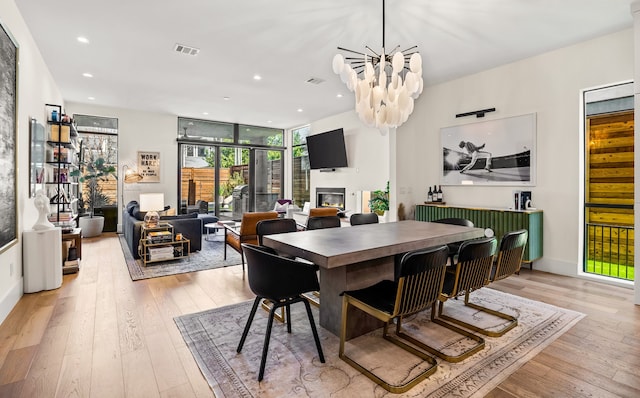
x,y
429,196
435,193
440,195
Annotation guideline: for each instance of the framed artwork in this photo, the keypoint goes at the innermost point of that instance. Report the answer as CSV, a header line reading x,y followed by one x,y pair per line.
x,y
8,139
149,166
495,152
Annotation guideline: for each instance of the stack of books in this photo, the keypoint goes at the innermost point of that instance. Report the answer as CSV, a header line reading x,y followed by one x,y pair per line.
x,y
160,253
159,236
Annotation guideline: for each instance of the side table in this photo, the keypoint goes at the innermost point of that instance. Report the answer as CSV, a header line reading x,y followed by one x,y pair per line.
x,y
72,266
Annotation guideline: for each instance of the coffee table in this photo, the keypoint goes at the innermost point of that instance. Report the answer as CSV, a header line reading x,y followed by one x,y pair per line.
x,y
215,226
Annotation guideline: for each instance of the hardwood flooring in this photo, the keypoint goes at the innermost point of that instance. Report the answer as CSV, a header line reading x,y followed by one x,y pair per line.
x,y
102,335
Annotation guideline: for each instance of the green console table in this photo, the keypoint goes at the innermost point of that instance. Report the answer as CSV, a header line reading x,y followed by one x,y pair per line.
x,y
500,221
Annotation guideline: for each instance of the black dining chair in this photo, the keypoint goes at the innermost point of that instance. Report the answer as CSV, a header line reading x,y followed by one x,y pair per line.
x,y
270,227
471,273
266,272
322,222
454,247
364,218
421,277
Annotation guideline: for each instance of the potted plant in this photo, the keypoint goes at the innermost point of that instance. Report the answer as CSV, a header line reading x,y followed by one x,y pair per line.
x,y
379,201
90,172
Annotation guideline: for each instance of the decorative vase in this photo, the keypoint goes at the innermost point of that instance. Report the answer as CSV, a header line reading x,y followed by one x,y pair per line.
x,y
91,226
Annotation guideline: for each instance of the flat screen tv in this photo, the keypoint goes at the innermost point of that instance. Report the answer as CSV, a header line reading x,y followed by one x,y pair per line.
x,y
327,150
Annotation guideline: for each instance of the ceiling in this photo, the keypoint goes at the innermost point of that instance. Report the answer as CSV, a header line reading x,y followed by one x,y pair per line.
x,y
134,65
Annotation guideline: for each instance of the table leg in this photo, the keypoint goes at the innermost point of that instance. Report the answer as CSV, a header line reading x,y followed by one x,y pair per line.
x,y
334,281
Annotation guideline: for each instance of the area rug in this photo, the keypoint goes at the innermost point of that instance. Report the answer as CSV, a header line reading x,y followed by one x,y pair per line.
x,y
211,256
294,369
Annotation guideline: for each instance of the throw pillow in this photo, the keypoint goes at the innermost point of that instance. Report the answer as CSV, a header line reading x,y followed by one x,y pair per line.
x,y
130,206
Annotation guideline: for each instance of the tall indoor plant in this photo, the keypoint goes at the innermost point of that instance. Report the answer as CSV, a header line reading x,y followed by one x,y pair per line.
x,y
90,172
379,201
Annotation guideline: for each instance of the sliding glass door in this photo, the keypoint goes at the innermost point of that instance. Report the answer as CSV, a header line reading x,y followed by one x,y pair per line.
x,y
229,169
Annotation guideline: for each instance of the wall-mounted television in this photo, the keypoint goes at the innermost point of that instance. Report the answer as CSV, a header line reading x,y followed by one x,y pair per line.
x,y
327,150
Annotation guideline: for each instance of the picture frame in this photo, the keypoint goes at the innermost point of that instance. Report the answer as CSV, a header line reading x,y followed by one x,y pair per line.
x,y
149,166
493,152
8,139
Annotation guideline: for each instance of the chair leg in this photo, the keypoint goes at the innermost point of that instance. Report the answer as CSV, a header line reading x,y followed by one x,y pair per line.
x,y
480,344
393,388
513,322
313,330
248,325
266,305
265,347
288,307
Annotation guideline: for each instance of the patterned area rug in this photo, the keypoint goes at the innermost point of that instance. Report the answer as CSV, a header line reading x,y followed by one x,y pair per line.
x,y
211,256
293,367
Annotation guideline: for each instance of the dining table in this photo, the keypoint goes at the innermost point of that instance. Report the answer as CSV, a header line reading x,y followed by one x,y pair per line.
x,y
355,257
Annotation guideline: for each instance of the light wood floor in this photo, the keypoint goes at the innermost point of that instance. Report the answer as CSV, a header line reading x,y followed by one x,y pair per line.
x,y
102,335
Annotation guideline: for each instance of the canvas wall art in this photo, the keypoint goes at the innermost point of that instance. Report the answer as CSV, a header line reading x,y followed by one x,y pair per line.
x,y
149,166
8,139
494,152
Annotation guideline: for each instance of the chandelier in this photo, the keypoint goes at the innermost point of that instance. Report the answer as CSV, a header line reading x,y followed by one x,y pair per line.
x,y
385,84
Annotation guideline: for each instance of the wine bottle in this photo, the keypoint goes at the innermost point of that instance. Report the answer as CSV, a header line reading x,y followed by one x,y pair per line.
x,y
440,196
429,195
435,193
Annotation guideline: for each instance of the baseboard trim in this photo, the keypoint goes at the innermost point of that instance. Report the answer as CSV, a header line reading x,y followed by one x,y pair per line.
x,y
10,299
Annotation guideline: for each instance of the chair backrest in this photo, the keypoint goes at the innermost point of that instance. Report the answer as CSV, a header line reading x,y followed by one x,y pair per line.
x,y
323,211
473,268
510,255
277,277
456,221
364,218
275,226
249,221
421,278
323,222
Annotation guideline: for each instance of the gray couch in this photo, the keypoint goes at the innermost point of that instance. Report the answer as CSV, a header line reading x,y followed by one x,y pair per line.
x,y
190,225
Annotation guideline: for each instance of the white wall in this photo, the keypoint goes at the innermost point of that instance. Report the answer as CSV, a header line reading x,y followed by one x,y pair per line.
x,y
367,156
147,132
548,85
35,88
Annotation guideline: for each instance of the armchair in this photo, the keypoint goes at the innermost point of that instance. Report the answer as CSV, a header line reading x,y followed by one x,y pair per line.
x,y
234,237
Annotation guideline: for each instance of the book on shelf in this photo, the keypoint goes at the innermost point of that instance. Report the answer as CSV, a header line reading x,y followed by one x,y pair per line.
x,y
72,263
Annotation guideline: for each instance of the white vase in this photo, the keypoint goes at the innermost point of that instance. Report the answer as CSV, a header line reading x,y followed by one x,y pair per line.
x,y
384,217
91,226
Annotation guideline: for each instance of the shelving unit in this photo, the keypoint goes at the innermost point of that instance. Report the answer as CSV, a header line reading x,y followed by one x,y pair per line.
x,y
177,248
61,154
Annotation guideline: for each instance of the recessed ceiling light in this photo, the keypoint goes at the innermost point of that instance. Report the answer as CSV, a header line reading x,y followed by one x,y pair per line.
x,y
339,95
205,113
91,98
82,39
226,98
257,77
87,74
299,109
269,121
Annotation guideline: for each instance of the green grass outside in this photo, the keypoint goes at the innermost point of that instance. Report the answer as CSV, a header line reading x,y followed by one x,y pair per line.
x,y
607,269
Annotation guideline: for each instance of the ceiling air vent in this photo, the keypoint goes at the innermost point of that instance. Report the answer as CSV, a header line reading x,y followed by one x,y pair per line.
x,y
181,48
315,80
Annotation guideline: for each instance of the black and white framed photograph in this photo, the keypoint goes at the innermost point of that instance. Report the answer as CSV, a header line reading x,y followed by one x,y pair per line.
x,y
149,166
8,139
495,152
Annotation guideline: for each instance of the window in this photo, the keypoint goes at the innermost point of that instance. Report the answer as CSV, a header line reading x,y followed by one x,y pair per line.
x,y
300,166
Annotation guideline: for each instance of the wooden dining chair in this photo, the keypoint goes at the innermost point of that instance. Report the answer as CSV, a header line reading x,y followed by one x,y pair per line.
x,y
421,277
323,211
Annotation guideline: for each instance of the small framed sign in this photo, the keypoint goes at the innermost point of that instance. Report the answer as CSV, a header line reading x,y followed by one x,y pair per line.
x,y
149,166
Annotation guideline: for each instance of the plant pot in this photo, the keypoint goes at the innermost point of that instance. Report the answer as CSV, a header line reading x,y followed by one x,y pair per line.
x,y
91,226
384,217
